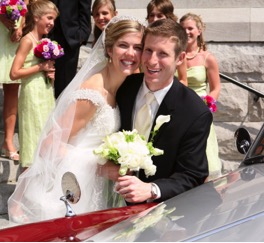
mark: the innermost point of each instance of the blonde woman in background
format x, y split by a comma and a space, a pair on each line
203, 75
36, 98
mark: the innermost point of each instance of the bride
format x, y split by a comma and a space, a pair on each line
84, 114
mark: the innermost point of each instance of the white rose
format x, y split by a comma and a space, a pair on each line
56, 51
157, 152
45, 48
151, 170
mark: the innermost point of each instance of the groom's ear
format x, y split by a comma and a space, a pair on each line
181, 58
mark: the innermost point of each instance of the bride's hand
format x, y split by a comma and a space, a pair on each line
109, 170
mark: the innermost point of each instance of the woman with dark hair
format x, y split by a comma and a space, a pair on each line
160, 9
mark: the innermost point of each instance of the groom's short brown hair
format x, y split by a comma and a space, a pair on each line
171, 29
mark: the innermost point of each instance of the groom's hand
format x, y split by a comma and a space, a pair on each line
133, 189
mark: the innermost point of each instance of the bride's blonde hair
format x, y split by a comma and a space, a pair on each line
114, 31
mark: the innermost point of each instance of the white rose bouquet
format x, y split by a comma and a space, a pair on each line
130, 150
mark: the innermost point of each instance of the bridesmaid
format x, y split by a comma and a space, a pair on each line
36, 99
11, 33
203, 73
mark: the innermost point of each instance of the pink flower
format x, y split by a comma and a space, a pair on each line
23, 12
13, 9
13, 2
3, 10
48, 50
210, 102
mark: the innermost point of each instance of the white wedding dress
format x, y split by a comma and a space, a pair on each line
38, 191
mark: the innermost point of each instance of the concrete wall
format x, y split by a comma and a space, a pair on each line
234, 20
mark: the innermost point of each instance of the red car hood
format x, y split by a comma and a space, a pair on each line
76, 228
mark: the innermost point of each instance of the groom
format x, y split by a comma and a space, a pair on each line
184, 164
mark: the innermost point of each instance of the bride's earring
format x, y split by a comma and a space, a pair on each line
110, 60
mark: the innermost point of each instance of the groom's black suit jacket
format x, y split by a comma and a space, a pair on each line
184, 163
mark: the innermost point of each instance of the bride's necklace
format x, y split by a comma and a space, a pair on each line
195, 54
33, 37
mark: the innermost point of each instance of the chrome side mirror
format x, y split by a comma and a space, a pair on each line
243, 140
71, 191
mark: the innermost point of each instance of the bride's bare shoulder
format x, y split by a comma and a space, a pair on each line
95, 82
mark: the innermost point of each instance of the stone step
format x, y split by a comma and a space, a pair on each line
6, 189
9, 172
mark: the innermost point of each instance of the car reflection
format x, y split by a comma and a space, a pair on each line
196, 213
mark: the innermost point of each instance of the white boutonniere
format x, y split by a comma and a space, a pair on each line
159, 122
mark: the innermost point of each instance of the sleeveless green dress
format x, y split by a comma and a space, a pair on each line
36, 100
7, 54
196, 76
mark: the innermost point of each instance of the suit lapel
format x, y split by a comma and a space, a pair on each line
129, 101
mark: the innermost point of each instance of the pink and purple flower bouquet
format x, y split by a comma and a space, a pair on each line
210, 102
13, 9
48, 50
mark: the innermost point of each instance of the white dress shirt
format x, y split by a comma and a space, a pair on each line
141, 100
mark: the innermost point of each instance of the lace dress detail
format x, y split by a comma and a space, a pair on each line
106, 119
88, 94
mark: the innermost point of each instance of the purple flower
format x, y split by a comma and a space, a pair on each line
15, 15
46, 55
48, 50
51, 46
13, 9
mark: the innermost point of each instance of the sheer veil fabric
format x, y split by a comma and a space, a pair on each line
38, 191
